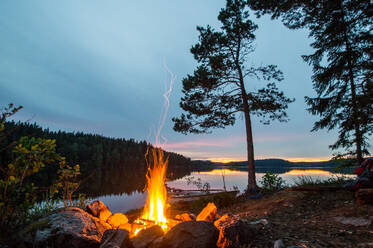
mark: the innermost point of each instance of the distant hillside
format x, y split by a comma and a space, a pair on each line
284, 163
263, 163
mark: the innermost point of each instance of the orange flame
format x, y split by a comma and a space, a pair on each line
157, 193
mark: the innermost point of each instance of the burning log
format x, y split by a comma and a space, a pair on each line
233, 232
208, 213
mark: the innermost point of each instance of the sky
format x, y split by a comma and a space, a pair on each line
100, 67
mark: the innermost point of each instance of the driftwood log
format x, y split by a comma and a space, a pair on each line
364, 196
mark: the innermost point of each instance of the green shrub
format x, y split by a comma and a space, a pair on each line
18, 194
271, 182
334, 180
67, 181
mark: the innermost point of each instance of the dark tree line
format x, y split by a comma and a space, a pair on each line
112, 165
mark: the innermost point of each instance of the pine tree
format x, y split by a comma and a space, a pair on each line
342, 64
216, 91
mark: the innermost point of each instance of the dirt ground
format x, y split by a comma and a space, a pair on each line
309, 219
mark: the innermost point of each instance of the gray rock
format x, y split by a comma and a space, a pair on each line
278, 244
354, 221
264, 222
185, 217
191, 234
233, 232
147, 236
70, 227
104, 214
115, 238
95, 207
117, 219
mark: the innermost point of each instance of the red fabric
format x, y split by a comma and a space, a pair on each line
356, 186
359, 170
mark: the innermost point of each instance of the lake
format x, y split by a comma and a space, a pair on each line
233, 178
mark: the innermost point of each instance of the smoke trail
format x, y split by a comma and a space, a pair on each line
159, 139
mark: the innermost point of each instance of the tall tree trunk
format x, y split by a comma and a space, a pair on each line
249, 141
251, 186
355, 116
250, 151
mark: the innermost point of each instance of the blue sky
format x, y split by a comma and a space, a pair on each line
98, 67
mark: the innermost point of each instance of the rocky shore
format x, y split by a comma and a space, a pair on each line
282, 219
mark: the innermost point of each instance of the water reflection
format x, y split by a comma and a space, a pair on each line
121, 199
121, 187
124, 202
238, 178
127, 179
307, 172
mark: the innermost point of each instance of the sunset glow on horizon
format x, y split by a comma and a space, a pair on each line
295, 160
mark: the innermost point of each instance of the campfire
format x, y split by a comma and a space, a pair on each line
154, 209
154, 229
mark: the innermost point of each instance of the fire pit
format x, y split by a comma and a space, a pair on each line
154, 229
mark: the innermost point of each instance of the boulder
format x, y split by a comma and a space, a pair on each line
278, 244
70, 227
208, 213
115, 238
147, 236
104, 214
157, 243
191, 234
185, 217
233, 232
95, 207
126, 226
117, 219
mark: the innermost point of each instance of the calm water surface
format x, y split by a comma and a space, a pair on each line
233, 178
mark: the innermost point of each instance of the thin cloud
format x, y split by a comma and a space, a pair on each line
220, 142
